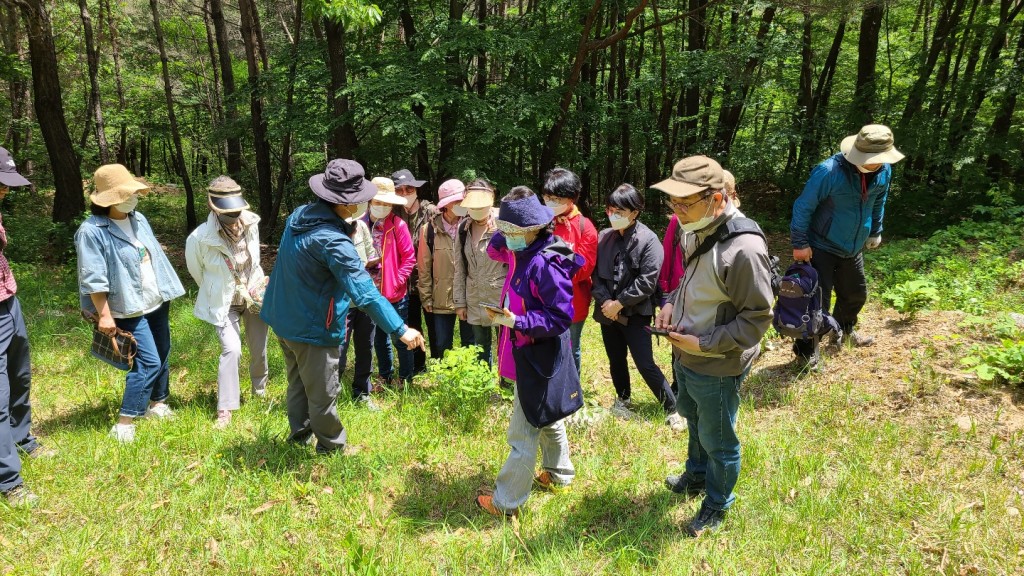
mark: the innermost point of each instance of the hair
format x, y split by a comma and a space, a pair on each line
518, 193
562, 183
625, 197
481, 183
98, 210
730, 187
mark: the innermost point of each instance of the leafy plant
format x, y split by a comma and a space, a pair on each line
998, 362
462, 386
911, 297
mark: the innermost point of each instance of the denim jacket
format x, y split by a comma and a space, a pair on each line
109, 262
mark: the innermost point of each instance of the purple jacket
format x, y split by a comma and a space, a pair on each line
538, 290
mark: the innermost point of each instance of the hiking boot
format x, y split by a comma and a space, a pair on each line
675, 422
364, 401
123, 433
21, 497
486, 503
623, 409
545, 481
685, 483
706, 520
810, 362
160, 411
856, 339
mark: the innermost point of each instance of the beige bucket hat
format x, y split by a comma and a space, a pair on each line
874, 144
386, 191
114, 184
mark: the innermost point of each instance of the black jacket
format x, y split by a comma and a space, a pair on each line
637, 290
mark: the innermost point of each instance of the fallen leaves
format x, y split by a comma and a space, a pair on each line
265, 506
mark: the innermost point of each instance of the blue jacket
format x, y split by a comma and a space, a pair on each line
834, 214
108, 262
317, 274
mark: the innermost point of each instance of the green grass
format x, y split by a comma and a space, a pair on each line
832, 482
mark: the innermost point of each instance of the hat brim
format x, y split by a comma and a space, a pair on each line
860, 158
510, 228
224, 204
118, 194
678, 189
413, 183
389, 198
450, 200
13, 180
365, 193
478, 199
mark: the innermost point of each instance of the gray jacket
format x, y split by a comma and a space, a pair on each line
637, 290
725, 299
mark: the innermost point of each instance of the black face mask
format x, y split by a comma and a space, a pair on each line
229, 218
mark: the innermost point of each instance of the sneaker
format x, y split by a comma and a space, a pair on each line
812, 362
856, 339
545, 481
623, 409
261, 393
364, 401
706, 520
223, 419
123, 433
685, 483
42, 453
160, 411
21, 497
486, 503
675, 422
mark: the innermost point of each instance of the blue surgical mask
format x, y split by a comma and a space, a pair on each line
516, 243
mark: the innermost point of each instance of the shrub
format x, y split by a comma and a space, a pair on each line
462, 386
911, 297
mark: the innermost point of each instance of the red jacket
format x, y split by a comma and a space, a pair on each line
672, 269
579, 233
397, 257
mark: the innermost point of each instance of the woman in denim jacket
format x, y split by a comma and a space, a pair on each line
124, 278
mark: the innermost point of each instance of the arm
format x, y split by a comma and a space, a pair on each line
193, 258
878, 211
406, 251
816, 190
92, 266
553, 285
425, 284
748, 283
646, 281
459, 289
600, 291
346, 267
106, 320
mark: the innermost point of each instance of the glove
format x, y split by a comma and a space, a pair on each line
509, 321
874, 242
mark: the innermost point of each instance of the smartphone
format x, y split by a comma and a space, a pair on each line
655, 332
493, 308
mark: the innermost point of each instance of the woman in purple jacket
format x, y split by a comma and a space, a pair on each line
536, 303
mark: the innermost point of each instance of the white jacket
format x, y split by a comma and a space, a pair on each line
205, 252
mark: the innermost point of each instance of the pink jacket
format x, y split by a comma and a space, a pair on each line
672, 269
397, 258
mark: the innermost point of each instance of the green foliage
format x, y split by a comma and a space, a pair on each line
1002, 362
353, 14
462, 386
911, 297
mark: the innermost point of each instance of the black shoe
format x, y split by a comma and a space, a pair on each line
685, 483
706, 520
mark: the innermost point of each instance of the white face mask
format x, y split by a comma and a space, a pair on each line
128, 205
379, 212
479, 214
359, 213
864, 170
557, 207
699, 224
618, 221
459, 211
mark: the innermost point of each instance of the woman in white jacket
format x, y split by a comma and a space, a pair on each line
223, 256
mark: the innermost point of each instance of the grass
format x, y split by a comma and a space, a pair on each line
851, 471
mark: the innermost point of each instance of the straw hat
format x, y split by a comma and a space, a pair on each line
114, 184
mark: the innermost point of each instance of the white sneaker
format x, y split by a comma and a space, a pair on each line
676, 422
223, 419
160, 411
123, 433
623, 409
261, 393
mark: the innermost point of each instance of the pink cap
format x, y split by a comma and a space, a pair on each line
450, 192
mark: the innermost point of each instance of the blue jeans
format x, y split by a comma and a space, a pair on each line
482, 337
382, 343
444, 328
148, 379
575, 334
15, 384
710, 405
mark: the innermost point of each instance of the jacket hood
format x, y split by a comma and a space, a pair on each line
314, 215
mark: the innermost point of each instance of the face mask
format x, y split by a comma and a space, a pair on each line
459, 211
557, 207
359, 213
128, 205
699, 224
618, 221
379, 212
866, 171
230, 218
479, 214
515, 243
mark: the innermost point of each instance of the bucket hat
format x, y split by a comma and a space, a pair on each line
386, 192
9, 171
450, 192
343, 182
874, 144
523, 215
114, 184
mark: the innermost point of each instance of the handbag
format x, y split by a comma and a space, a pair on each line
252, 296
118, 350
546, 380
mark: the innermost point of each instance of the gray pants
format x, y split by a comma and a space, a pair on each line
230, 335
312, 394
512, 487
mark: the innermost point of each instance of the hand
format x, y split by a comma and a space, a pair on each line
413, 339
462, 313
611, 309
874, 242
802, 254
663, 321
507, 318
106, 325
428, 308
685, 342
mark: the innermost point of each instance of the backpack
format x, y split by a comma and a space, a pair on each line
731, 229
797, 311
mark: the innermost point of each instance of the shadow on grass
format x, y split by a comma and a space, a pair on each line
770, 385
92, 416
269, 451
441, 499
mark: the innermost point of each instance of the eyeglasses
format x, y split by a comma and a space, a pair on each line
684, 205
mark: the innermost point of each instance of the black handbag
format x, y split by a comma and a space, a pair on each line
118, 350
547, 381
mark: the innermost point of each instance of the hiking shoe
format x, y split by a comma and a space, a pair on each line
223, 419
21, 497
623, 409
706, 520
42, 453
123, 433
545, 481
486, 503
260, 393
856, 339
675, 422
160, 411
364, 401
685, 483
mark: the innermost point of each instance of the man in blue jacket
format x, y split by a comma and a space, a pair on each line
839, 213
317, 275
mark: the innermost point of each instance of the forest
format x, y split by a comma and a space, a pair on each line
268, 90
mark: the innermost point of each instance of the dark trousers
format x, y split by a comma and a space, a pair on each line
382, 344
361, 330
15, 383
846, 277
444, 329
420, 319
483, 336
632, 337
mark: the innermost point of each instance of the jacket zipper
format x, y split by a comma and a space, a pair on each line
330, 313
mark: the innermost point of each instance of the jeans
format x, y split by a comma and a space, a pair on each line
148, 380
846, 276
230, 335
483, 336
382, 343
361, 330
634, 338
444, 328
576, 336
15, 384
313, 394
710, 405
416, 319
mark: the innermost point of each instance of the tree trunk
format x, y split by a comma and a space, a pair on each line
172, 120
801, 116
1006, 104
865, 93
450, 109
68, 200
696, 40
284, 172
423, 166
250, 39
18, 86
819, 101
115, 51
344, 141
218, 101
92, 55
951, 11
481, 56
227, 74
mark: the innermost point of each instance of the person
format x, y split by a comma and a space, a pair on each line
561, 192
223, 257
417, 211
15, 367
436, 256
317, 275
360, 328
391, 273
126, 280
716, 318
629, 258
730, 188
837, 215
478, 279
537, 310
